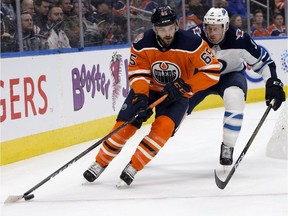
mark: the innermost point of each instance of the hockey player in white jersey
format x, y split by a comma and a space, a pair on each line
233, 48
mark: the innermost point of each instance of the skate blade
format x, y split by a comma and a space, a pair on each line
225, 168
121, 185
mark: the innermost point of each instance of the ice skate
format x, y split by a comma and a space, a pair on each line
226, 155
93, 172
127, 176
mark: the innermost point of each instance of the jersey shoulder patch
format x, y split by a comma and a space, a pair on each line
197, 30
236, 38
138, 38
239, 34
145, 40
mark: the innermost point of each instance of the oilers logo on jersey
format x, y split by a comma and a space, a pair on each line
164, 72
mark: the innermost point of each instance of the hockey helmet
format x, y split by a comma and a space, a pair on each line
163, 16
217, 16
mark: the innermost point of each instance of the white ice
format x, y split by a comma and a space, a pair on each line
179, 181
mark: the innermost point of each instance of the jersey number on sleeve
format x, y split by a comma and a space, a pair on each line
132, 59
207, 56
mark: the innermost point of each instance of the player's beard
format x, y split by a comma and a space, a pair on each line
166, 41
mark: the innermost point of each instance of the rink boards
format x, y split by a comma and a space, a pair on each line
49, 102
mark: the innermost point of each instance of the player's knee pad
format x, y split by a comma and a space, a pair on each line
162, 127
234, 102
125, 133
234, 99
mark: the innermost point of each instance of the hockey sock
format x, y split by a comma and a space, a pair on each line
234, 103
111, 147
151, 144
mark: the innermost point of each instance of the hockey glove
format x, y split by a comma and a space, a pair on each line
176, 90
274, 90
141, 103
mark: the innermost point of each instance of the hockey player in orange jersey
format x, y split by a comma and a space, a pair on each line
162, 61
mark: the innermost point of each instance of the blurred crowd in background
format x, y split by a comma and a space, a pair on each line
31, 25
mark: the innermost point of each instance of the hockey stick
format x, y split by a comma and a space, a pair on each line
222, 184
27, 195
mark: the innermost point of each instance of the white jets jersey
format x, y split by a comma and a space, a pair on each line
237, 48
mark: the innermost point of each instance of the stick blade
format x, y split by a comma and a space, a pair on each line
220, 184
13, 199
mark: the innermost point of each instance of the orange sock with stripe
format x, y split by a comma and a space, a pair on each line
111, 147
161, 131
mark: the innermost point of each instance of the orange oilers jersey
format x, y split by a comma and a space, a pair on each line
151, 66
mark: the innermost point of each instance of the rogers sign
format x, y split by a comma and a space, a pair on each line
22, 91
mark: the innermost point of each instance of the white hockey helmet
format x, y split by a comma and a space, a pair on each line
217, 16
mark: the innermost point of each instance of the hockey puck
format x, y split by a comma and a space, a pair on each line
29, 197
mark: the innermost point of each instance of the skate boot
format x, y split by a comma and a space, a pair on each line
226, 155
93, 172
127, 176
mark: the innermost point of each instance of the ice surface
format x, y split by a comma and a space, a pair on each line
179, 181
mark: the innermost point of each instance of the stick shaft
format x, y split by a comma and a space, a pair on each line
160, 100
222, 184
